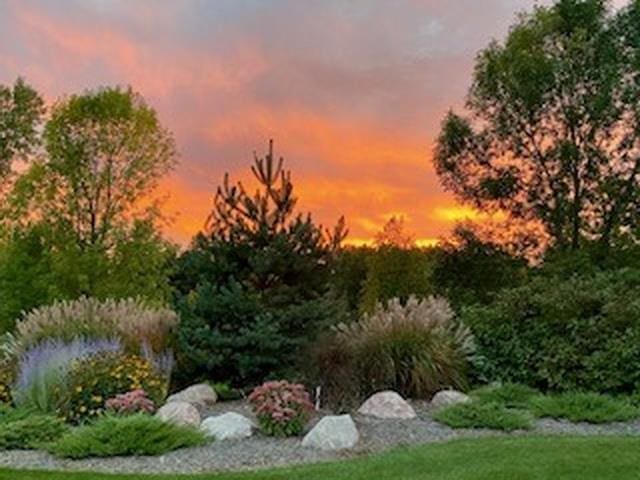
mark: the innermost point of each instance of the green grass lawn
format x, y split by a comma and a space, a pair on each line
522, 458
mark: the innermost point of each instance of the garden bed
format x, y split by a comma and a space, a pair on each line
259, 451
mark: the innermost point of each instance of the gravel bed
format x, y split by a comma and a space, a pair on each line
261, 452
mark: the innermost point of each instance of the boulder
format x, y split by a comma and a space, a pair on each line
332, 433
180, 413
200, 396
228, 426
387, 404
448, 397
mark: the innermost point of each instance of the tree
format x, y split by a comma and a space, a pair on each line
105, 151
553, 133
21, 110
255, 282
394, 234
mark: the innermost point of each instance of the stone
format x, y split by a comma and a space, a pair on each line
448, 397
387, 405
228, 426
180, 413
332, 433
200, 396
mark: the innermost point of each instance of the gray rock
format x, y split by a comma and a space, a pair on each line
445, 398
200, 396
387, 404
332, 433
180, 413
228, 426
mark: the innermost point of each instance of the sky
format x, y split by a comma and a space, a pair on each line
351, 91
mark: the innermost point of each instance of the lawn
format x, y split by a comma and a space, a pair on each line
522, 458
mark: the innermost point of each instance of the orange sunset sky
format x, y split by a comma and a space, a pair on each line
353, 92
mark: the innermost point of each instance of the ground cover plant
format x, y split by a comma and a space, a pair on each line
485, 415
610, 458
137, 434
585, 407
28, 430
509, 395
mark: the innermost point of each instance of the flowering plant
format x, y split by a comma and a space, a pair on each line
135, 401
282, 408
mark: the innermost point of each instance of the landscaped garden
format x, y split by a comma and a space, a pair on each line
268, 344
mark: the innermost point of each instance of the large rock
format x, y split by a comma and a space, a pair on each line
200, 396
445, 398
180, 413
228, 426
387, 405
332, 433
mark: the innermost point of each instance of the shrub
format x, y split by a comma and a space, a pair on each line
484, 415
137, 434
6, 380
30, 432
103, 376
509, 395
135, 401
42, 370
585, 407
415, 349
283, 409
575, 333
131, 321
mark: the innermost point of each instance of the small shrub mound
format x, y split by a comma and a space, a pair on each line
283, 409
484, 415
139, 434
21, 430
509, 395
415, 349
585, 407
135, 401
100, 377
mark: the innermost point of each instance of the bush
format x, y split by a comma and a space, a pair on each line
509, 395
6, 381
484, 415
100, 377
575, 333
131, 321
137, 434
135, 401
20, 430
585, 407
42, 370
283, 409
416, 349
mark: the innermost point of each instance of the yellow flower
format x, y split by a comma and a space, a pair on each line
83, 409
79, 388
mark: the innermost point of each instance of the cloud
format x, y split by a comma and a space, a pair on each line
352, 92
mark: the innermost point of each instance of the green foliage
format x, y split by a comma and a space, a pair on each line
21, 109
565, 78
575, 333
7, 375
508, 395
254, 287
29, 431
585, 407
226, 392
394, 272
484, 415
283, 409
92, 381
138, 434
467, 270
415, 349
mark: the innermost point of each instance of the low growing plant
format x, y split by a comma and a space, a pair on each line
135, 401
98, 378
484, 415
31, 431
415, 349
509, 395
585, 407
282, 408
138, 434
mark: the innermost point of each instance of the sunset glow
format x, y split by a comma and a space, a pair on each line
352, 92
